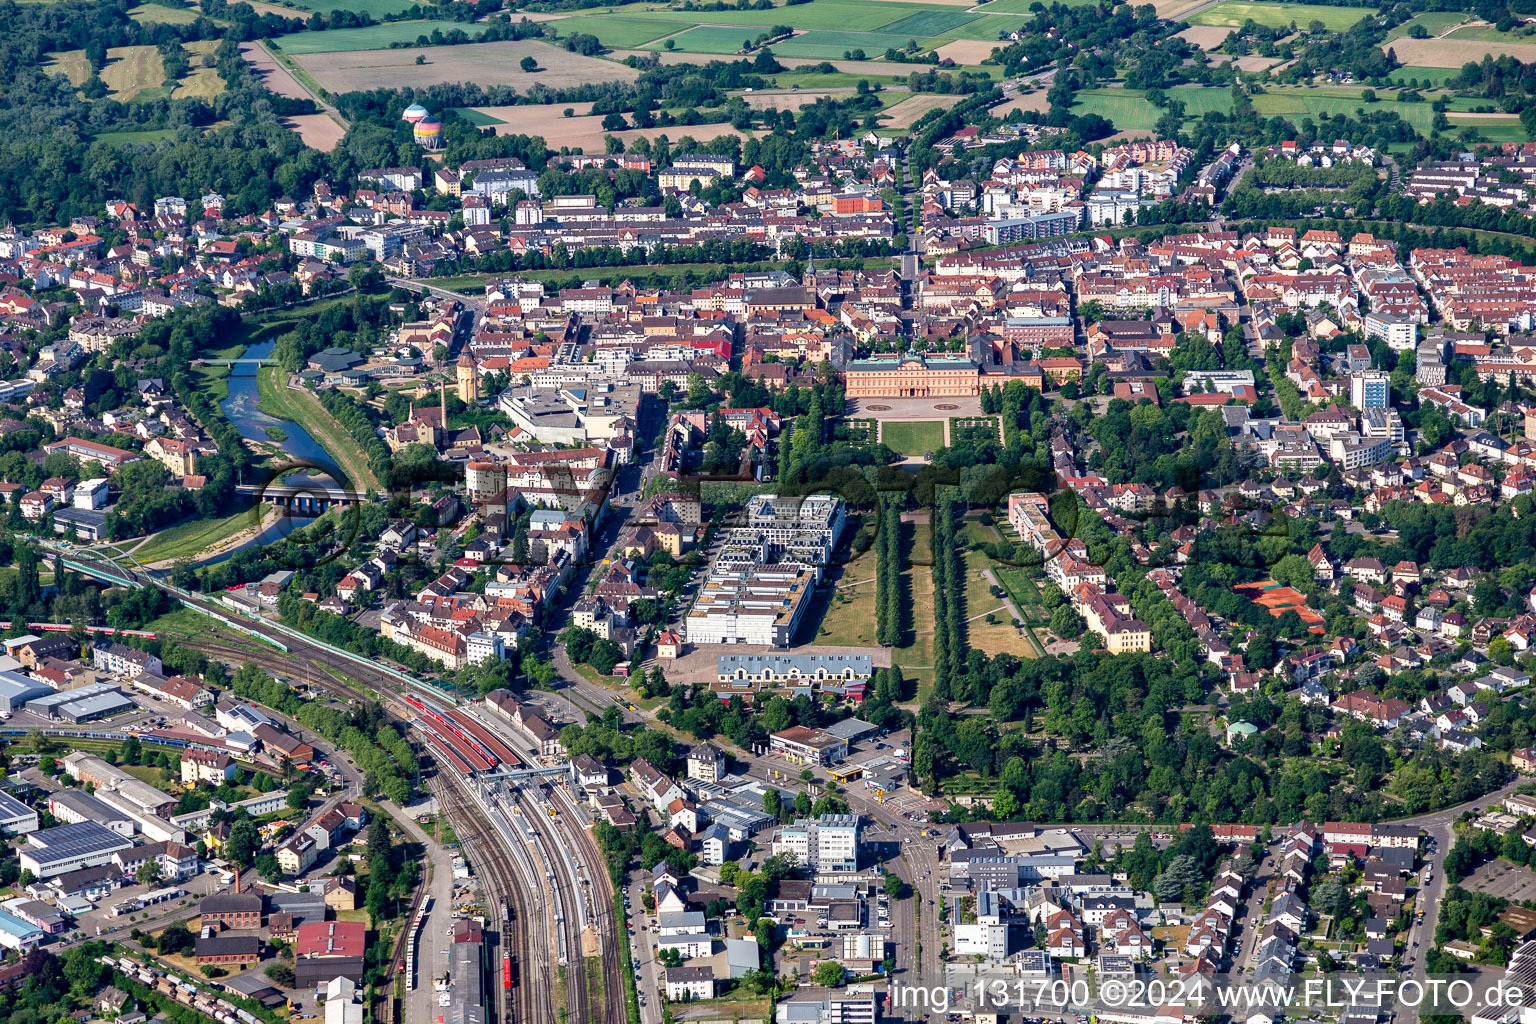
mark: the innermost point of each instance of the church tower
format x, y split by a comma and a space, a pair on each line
468, 378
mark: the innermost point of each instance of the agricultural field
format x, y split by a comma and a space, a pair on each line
616, 33
1207, 37
138, 72
1423, 75
902, 115
486, 63
930, 23
1448, 52
376, 8
1233, 13
1434, 22
476, 117
581, 131
1021, 6
850, 15
372, 37
914, 439
160, 14
710, 39
319, 131
1126, 109
825, 45
968, 51
1129, 109
1489, 34
200, 82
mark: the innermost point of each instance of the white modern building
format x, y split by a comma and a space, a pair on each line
827, 845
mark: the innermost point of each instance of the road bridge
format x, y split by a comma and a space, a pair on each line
301, 499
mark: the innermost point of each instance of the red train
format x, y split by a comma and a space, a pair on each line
506, 971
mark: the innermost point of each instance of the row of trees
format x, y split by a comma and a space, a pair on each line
888, 575
948, 596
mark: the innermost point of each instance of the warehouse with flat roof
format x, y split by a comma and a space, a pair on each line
84, 844
16, 689
16, 818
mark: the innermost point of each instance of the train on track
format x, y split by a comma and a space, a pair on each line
65, 627
508, 971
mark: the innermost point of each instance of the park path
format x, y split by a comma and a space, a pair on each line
1013, 610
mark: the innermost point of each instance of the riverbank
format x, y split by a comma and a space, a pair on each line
199, 539
303, 408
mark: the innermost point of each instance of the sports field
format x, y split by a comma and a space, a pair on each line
372, 37
913, 438
1233, 13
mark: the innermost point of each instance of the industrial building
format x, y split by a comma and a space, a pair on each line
466, 968
16, 933
72, 806
85, 844
16, 818
16, 690
92, 769
82, 704
328, 949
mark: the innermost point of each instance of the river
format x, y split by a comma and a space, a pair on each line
244, 412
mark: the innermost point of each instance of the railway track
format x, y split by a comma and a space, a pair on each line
528, 1000
534, 957
600, 903
568, 892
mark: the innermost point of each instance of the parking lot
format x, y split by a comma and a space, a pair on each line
1503, 879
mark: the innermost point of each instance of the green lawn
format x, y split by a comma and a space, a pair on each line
915, 438
915, 656
1233, 13
191, 538
1127, 109
850, 616
373, 37
148, 137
